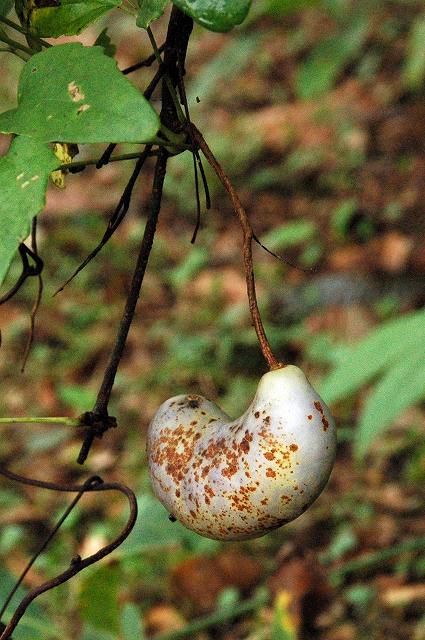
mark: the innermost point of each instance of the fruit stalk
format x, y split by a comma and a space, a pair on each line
248, 236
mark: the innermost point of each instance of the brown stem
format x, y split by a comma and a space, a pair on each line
101, 407
248, 237
77, 563
37, 301
175, 47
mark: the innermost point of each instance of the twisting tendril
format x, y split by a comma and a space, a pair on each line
77, 564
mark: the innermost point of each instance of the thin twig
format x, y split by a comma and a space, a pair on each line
16, 53
77, 564
37, 300
195, 154
16, 45
28, 270
33, 315
248, 236
17, 27
116, 218
91, 481
101, 406
281, 258
170, 78
79, 165
69, 422
197, 161
144, 63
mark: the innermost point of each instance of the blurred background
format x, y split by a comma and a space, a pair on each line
316, 111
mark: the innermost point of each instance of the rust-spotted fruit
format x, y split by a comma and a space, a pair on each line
237, 479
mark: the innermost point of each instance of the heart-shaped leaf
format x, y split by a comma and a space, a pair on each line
24, 172
215, 16
71, 93
69, 18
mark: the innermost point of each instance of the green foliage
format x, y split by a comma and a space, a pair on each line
91, 633
103, 40
401, 386
329, 57
76, 396
277, 8
101, 585
189, 267
47, 440
150, 10
131, 624
360, 596
396, 352
71, 17
228, 598
341, 217
216, 16
69, 104
289, 234
24, 173
414, 71
225, 66
158, 532
344, 541
35, 624
6, 7
283, 625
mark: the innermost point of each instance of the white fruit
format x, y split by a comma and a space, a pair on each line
233, 480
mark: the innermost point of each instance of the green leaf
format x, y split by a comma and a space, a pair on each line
329, 57
71, 17
35, 625
90, 633
131, 623
343, 541
149, 11
341, 217
277, 8
24, 172
103, 40
158, 531
401, 387
231, 61
215, 16
6, 7
289, 234
99, 598
414, 71
72, 93
76, 396
189, 267
373, 354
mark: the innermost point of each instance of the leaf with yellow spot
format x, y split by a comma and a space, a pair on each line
65, 152
76, 93
24, 173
